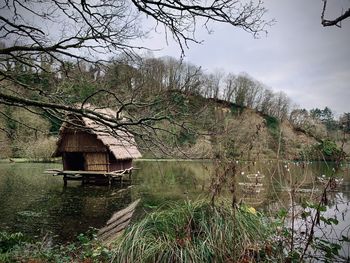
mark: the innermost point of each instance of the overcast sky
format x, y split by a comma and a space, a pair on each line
298, 56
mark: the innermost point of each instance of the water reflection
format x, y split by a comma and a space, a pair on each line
35, 203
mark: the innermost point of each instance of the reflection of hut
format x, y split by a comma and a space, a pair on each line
89, 146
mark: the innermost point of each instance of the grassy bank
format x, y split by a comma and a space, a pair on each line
177, 232
29, 160
186, 232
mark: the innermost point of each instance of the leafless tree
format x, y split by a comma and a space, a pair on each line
252, 90
280, 108
242, 85
229, 88
335, 21
180, 75
266, 101
344, 120
299, 118
216, 80
45, 37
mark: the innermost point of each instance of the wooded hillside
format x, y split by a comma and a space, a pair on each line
182, 112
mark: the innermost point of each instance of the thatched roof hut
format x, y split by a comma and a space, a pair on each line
89, 146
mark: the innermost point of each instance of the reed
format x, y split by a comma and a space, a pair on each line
195, 232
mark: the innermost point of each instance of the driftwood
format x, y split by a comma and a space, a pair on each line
117, 223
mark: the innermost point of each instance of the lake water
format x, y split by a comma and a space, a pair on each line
36, 203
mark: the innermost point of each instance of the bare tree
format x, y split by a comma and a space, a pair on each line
344, 120
229, 88
242, 85
299, 118
335, 21
46, 37
266, 101
252, 91
281, 106
258, 94
181, 76
216, 80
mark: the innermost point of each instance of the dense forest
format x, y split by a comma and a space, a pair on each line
185, 111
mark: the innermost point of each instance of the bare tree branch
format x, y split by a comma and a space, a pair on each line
333, 22
48, 42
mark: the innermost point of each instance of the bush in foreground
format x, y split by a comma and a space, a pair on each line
196, 232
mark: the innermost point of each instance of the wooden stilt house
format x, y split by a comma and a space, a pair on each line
88, 146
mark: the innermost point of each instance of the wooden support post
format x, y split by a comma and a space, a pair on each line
65, 180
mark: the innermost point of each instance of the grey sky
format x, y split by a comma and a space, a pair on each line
299, 56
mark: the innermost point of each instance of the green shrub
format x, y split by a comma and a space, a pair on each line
187, 137
273, 127
13, 248
272, 124
329, 148
326, 150
9, 241
236, 109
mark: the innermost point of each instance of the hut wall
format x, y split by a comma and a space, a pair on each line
96, 162
115, 165
120, 165
81, 142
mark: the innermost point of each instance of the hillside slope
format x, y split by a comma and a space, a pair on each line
216, 125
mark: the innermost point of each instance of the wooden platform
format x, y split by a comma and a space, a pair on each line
94, 177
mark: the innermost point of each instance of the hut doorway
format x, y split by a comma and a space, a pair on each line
74, 161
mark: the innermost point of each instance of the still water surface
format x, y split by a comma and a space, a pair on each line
36, 203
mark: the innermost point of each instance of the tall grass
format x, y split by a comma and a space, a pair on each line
194, 232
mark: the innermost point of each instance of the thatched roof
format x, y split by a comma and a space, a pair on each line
120, 143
